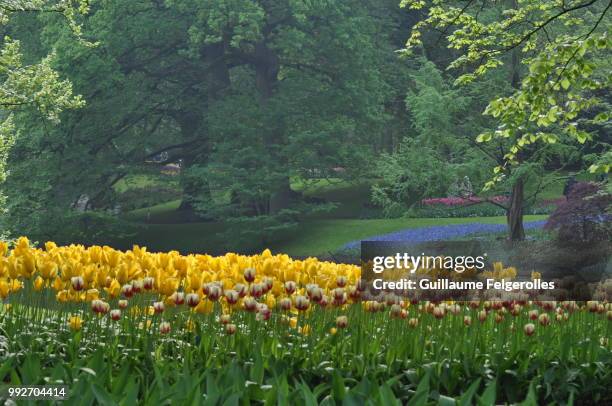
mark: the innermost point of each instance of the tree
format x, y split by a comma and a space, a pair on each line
584, 218
31, 86
565, 76
245, 95
139, 86
305, 96
434, 153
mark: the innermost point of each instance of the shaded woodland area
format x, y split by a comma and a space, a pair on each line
237, 108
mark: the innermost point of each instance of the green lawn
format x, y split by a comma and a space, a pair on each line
163, 227
165, 213
319, 237
312, 238
145, 180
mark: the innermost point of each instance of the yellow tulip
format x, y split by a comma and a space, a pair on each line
194, 281
58, 284
28, 265
48, 269
75, 323
204, 307
95, 254
3, 267
91, 294
114, 289
13, 266
22, 246
89, 274
15, 285
122, 274
50, 246
101, 274
168, 286
271, 301
181, 265
38, 283
5, 289
112, 257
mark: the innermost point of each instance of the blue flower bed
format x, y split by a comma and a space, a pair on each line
441, 233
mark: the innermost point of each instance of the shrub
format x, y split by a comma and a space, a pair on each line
447, 207
584, 217
407, 176
461, 201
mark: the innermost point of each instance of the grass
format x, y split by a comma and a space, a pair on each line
164, 213
311, 238
320, 237
164, 228
144, 180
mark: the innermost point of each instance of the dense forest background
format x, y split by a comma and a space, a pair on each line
245, 117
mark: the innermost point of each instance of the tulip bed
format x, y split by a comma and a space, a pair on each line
154, 328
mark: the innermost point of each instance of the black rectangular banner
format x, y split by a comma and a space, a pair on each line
487, 270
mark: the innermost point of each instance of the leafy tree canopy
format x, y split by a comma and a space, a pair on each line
566, 49
34, 86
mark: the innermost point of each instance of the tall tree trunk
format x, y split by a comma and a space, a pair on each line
193, 123
282, 198
515, 211
514, 215
266, 76
189, 124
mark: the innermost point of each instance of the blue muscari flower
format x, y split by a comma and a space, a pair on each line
441, 233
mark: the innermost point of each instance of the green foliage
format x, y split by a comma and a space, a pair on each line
545, 100
147, 196
408, 176
305, 99
565, 47
31, 86
239, 22
246, 95
476, 210
375, 360
438, 152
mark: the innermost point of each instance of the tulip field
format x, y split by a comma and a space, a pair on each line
163, 328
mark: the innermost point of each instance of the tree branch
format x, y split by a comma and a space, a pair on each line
546, 22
